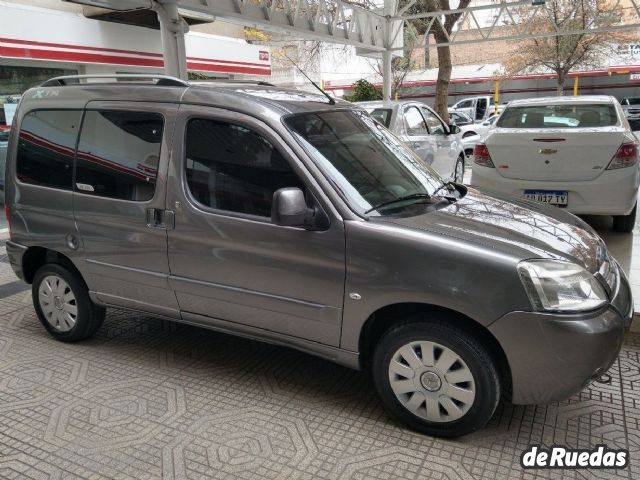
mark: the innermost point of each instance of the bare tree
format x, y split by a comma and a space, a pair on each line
441, 31
561, 54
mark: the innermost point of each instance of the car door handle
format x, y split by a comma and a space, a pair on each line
159, 218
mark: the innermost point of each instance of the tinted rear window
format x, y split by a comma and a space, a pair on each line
383, 115
46, 147
559, 116
632, 101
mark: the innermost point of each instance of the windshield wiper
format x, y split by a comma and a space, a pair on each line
399, 199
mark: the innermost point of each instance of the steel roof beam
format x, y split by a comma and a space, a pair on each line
325, 20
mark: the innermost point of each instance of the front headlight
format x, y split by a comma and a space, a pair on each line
559, 286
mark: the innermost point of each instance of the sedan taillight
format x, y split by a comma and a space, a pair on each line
626, 156
481, 155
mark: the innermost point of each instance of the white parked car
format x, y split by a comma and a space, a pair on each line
478, 108
634, 123
474, 133
418, 126
577, 153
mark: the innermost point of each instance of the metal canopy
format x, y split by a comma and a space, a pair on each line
374, 32
485, 23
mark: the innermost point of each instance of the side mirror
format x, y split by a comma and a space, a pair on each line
289, 208
453, 129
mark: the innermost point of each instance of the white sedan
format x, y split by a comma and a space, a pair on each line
577, 153
422, 130
475, 132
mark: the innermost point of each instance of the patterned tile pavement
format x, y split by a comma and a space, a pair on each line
151, 399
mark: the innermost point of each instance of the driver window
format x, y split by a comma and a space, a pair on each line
435, 125
232, 168
414, 122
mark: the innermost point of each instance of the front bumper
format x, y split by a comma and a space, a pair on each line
552, 356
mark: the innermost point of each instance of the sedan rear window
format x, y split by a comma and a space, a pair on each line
559, 116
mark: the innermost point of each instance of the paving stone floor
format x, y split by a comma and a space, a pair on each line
150, 399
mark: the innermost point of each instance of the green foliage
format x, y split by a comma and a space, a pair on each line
364, 91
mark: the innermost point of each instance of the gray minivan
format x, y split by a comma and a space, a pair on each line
295, 219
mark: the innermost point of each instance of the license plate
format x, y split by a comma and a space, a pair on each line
552, 197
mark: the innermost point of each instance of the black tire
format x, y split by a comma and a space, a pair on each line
486, 379
89, 316
460, 160
625, 223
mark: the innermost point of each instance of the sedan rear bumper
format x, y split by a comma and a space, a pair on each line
614, 192
553, 356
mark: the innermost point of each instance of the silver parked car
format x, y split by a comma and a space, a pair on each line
295, 219
425, 133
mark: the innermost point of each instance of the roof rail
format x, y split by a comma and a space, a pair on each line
227, 80
164, 80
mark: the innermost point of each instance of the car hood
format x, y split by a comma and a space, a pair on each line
510, 225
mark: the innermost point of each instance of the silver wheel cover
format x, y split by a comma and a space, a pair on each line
58, 303
432, 381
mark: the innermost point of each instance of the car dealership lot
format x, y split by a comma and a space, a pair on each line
148, 398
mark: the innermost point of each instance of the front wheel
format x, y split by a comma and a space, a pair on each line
625, 223
436, 378
62, 304
458, 173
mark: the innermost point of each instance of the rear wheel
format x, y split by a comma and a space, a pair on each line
436, 378
625, 223
62, 304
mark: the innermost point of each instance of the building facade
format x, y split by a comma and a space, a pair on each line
40, 39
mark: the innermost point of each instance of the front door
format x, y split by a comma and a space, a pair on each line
418, 137
230, 266
445, 155
119, 194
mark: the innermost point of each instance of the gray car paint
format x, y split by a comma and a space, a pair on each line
314, 291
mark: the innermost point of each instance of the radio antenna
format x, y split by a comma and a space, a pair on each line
329, 97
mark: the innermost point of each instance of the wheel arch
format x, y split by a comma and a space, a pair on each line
36, 257
389, 316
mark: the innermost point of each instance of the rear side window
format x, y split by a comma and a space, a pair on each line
46, 147
559, 116
383, 115
232, 168
118, 154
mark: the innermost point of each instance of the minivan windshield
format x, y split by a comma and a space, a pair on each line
559, 116
366, 162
